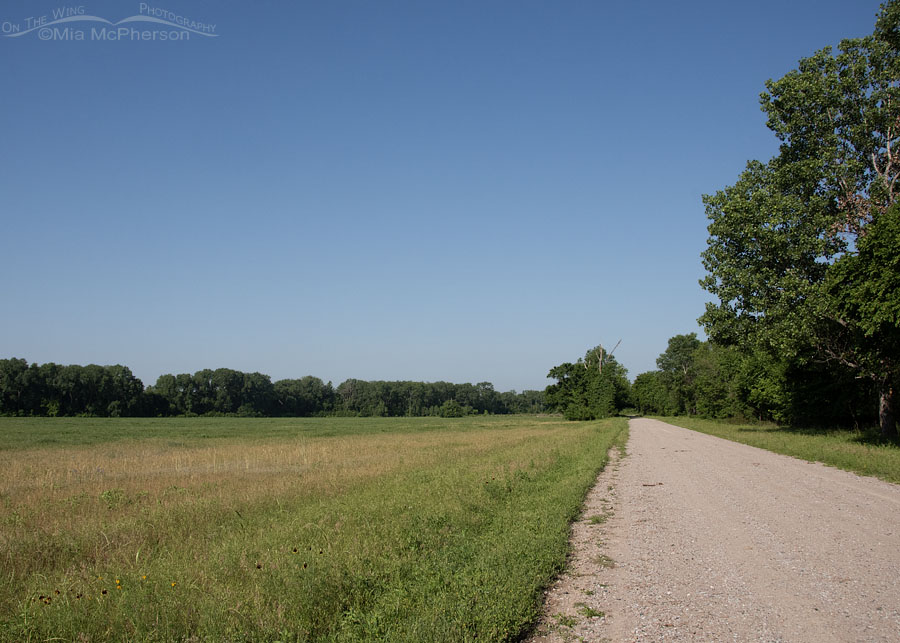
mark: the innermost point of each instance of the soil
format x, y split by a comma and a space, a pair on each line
689, 537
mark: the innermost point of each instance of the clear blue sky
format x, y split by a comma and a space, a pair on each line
461, 191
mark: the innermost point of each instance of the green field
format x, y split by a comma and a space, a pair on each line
861, 453
204, 529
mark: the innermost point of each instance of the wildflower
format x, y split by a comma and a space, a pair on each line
144, 577
173, 583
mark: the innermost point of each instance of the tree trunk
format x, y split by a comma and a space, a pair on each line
886, 409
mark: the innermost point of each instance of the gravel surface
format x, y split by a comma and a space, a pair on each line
710, 540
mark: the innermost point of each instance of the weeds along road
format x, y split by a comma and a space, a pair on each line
718, 541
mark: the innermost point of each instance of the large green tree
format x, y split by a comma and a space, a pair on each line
783, 256
593, 387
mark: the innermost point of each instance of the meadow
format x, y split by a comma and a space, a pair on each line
861, 452
318, 529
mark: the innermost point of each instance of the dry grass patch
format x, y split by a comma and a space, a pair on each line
401, 530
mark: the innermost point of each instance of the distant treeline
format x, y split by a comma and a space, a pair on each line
113, 391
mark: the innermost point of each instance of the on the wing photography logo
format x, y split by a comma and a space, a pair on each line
72, 23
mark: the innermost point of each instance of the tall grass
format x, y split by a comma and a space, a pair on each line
849, 450
291, 530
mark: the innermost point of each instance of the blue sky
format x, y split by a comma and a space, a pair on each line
461, 191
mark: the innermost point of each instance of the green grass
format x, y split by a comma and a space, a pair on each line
29, 432
294, 530
853, 451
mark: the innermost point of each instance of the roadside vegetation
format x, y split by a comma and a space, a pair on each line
865, 453
293, 530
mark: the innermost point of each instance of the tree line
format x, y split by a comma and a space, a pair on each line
113, 391
710, 380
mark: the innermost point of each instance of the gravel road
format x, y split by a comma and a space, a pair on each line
693, 538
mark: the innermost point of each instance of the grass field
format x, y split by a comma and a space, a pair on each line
850, 450
203, 529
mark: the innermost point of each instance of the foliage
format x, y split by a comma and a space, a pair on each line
677, 367
865, 290
453, 409
650, 395
303, 397
694, 378
715, 381
788, 257
718, 382
112, 391
410, 399
593, 387
392, 529
221, 391
51, 389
